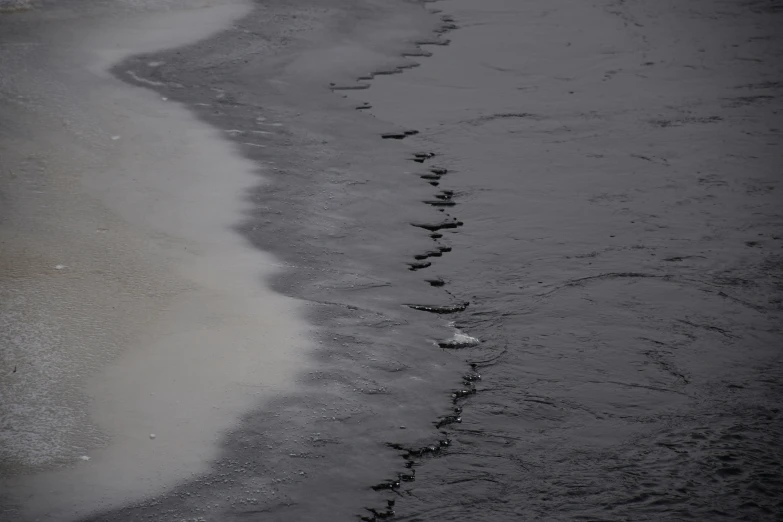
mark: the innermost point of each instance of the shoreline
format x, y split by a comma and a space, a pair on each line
293, 122
590, 222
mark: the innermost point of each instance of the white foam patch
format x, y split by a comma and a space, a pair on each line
136, 348
459, 340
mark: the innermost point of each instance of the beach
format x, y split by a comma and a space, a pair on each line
405, 260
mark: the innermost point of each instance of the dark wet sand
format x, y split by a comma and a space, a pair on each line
613, 242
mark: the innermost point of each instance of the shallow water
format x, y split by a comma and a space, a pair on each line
621, 254
613, 243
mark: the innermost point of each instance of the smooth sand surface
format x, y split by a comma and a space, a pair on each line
128, 305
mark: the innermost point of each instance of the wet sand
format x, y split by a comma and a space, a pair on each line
136, 325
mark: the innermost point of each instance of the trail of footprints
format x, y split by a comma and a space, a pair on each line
443, 200
414, 456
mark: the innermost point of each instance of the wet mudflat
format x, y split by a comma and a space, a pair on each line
545, 264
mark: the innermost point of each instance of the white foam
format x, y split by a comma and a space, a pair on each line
459, 340
161, 324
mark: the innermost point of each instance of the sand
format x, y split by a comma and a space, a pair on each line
129, 307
